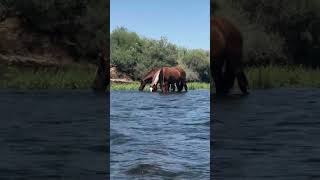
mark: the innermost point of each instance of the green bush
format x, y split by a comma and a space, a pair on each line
198, 61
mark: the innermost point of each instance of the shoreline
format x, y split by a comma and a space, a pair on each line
82, 77
135, 86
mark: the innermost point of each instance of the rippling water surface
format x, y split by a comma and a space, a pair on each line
270, 134
155, 136
53, 135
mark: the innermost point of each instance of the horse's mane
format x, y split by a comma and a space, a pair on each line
153, 69
155, 78
149, 72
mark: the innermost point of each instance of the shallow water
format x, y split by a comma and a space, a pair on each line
53, 135
270, 134
155, 136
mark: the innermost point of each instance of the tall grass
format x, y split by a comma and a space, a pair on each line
129, 86
283, 76
135, 86
73, 77
81, 77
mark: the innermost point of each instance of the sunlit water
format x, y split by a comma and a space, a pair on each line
53, 135
155, 136
270, 134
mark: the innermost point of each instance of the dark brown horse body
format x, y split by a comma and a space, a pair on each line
227, 45
172, 75
147, 79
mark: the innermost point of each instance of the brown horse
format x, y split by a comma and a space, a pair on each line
172, 75
227, 44
183, 81
148, 77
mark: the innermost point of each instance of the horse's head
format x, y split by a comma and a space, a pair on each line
155, 81
153, 88
147, 78
142, 85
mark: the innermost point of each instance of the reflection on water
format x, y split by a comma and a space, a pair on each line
270, 134
156, 136
53, 135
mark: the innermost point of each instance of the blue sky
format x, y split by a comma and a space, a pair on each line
183, 22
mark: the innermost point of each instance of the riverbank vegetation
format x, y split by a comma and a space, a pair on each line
81, 77
281, 40
281, 47
135, 86
136, 55
278, 32
71, 77
51, 44
77, 26
270, 76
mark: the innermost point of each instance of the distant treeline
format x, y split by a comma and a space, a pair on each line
137, 55
78, 25
277, 31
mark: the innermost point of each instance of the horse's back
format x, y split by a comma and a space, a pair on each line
149, 75
171, 73
228, 29
228, 34
182, 72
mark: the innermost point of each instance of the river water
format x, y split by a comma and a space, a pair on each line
155, 136
53, 135
270, 134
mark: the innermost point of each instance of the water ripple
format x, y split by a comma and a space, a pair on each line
271, 134
156, 136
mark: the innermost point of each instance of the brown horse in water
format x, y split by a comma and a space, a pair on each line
227, 44
148, 78
171, 75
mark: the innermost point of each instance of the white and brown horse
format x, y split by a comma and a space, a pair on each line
167, 76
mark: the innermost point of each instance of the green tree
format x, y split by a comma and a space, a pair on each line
198, 61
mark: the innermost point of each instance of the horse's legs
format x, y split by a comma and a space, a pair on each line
185, 86
229, 82
179, 86
173, 87
165, 87
242, 82
218, 75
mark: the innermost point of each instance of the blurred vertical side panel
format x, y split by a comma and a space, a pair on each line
54, 89
212, 102
272, 132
